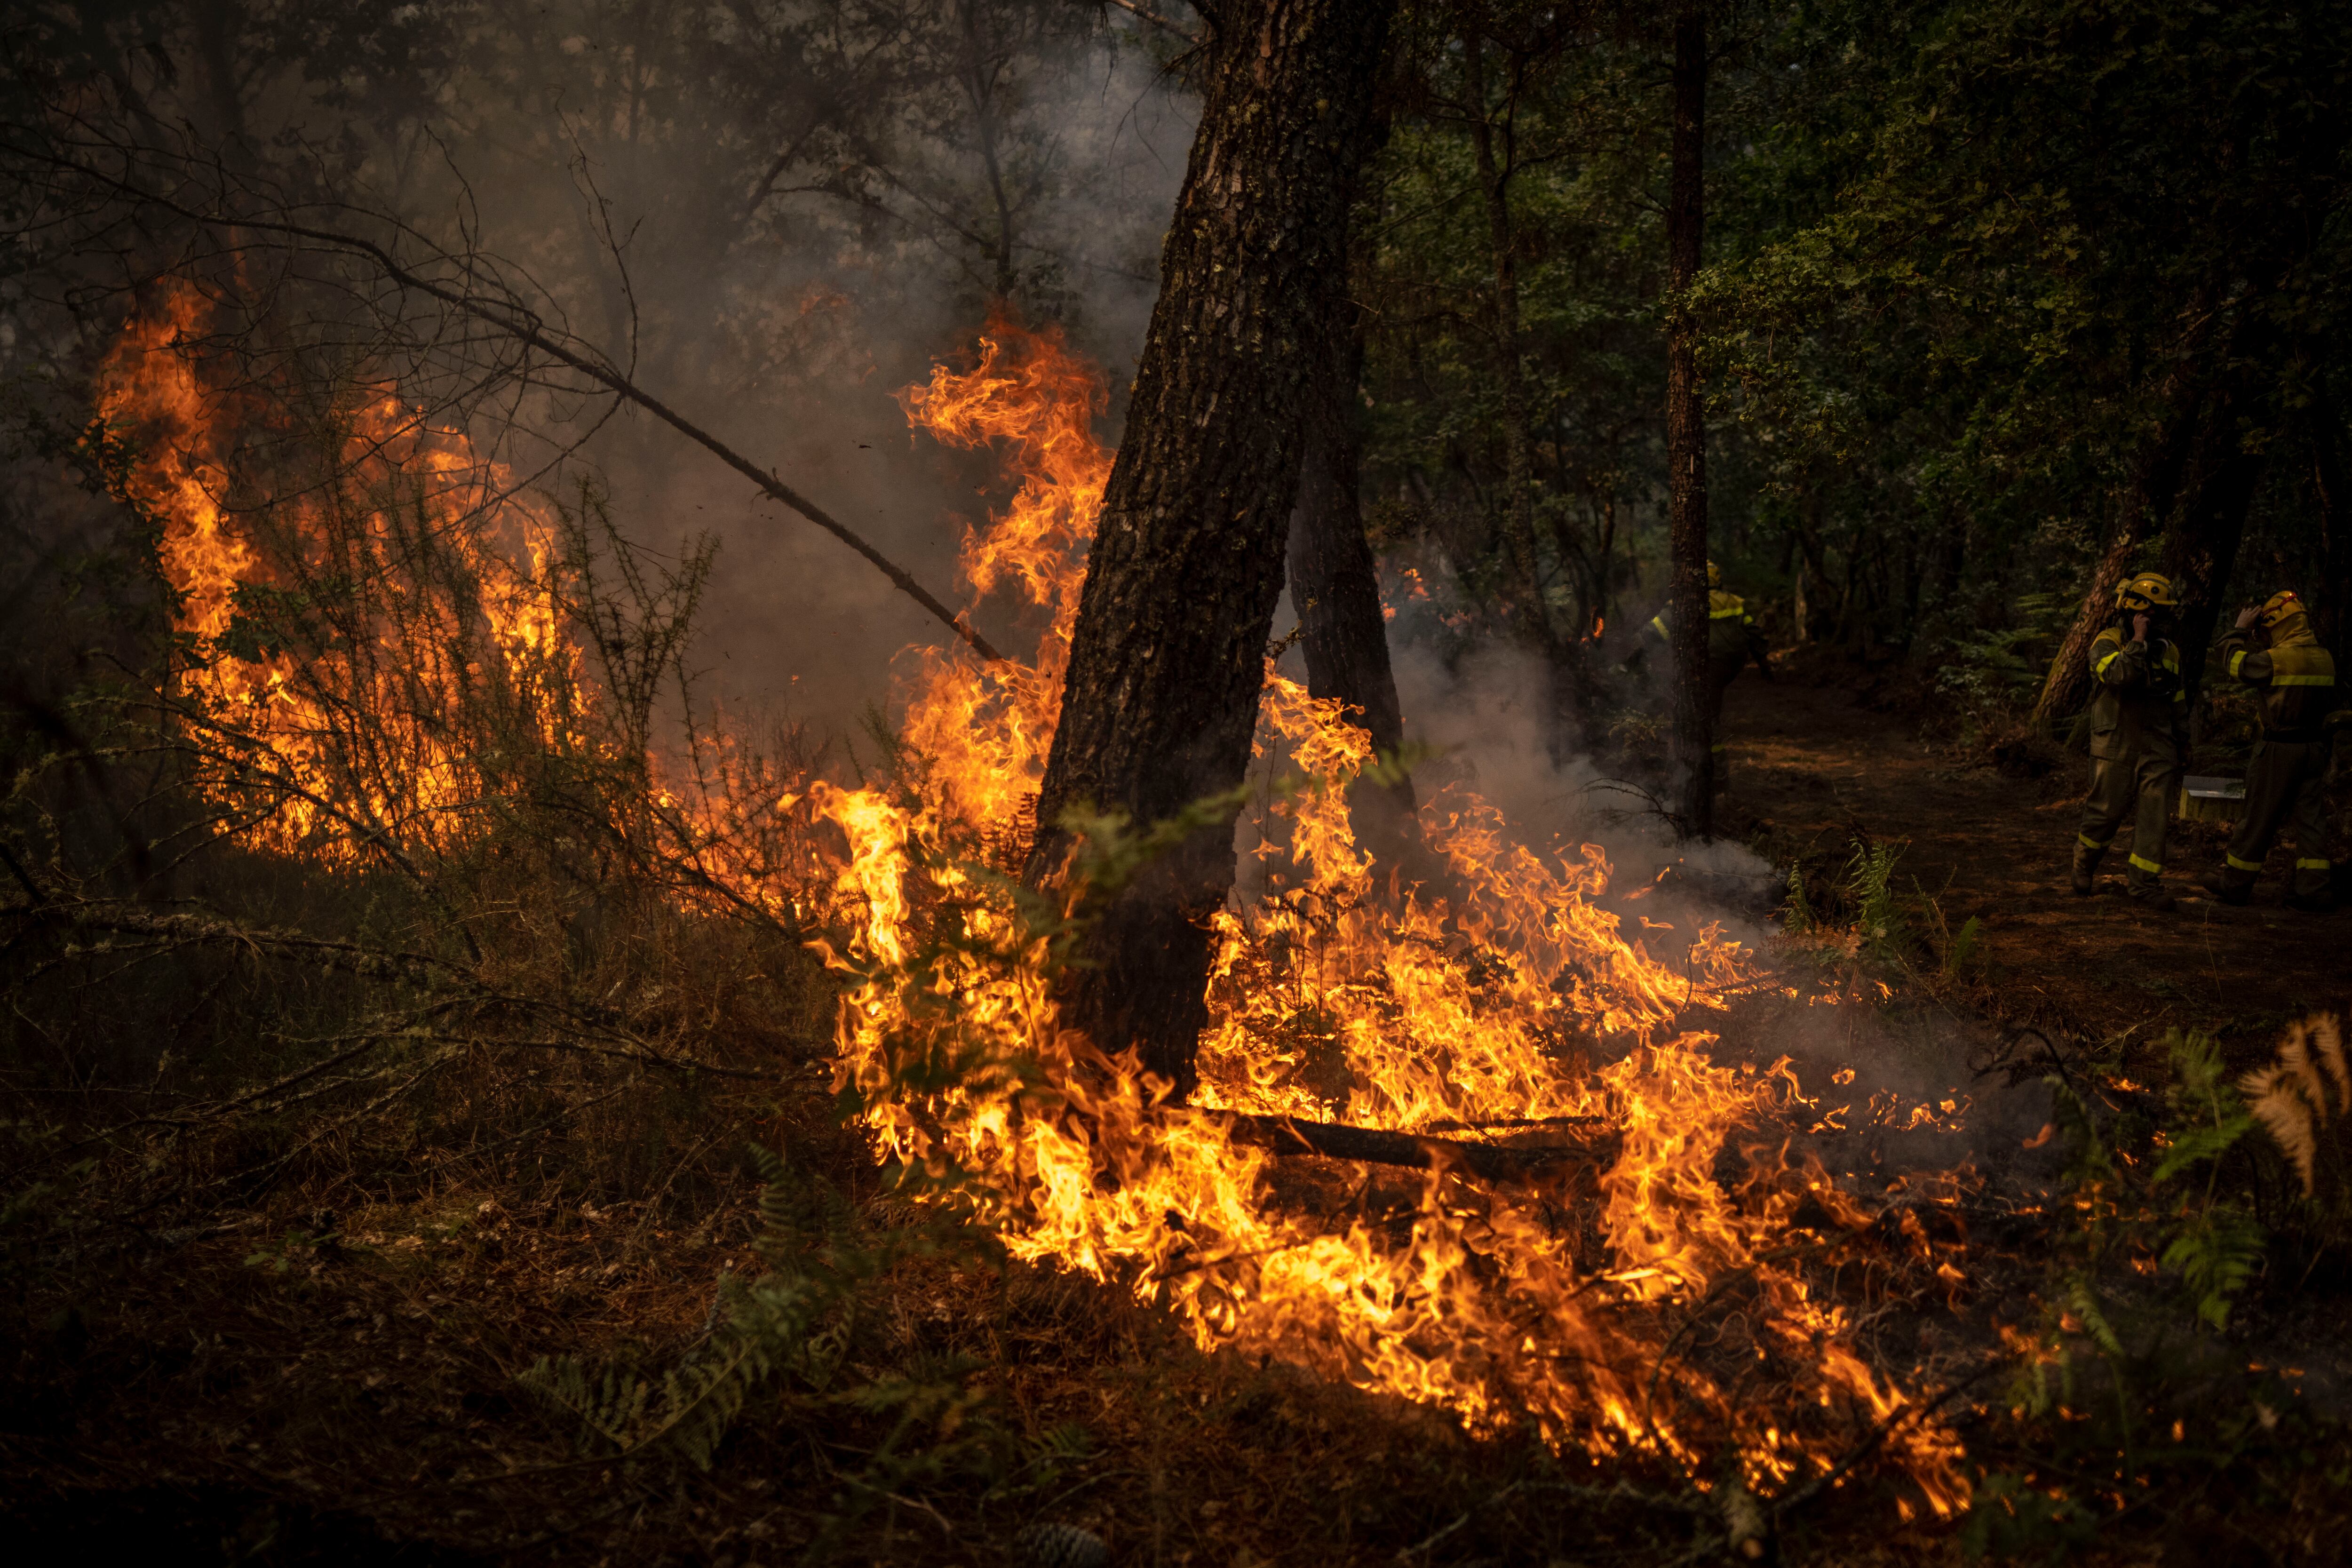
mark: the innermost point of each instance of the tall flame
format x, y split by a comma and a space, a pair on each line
1478, 1008
1506, 1003
443, 612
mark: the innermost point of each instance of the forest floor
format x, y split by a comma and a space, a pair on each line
1817, 767
332, 1369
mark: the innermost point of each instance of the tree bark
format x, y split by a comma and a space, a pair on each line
1589, 1149
1167, 655
1564, 660
1687, 429
1335, 584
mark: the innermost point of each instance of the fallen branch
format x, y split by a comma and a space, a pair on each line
1289, 1135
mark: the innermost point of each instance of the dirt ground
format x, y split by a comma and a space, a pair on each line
1816, 767
328, 1373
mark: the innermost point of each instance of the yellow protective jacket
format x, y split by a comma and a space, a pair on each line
1732, 635
2136, 695
2296, 676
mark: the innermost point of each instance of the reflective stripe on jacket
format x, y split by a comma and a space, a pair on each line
1731, 631
2136, 694
2297, 680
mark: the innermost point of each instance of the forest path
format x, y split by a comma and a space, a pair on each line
1819, 769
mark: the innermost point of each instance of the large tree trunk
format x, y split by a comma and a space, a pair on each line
1687, 428
1336, 586
1168, 651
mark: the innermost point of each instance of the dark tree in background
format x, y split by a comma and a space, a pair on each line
1334, 578
1168, 651
1686, 428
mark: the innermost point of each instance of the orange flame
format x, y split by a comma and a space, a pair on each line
1465, 1010
1511, 999
394, 479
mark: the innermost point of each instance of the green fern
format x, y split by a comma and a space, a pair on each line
1869, 891
2217, 1249
2083, 1302
792, 1319
1800, 917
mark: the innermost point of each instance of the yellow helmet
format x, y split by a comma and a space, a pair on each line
1713, 575
2148, 591
2278, 607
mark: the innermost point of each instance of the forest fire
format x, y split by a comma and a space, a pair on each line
1506, 1012
380, 546
1509, 1004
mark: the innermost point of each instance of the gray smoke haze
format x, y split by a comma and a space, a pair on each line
785, 328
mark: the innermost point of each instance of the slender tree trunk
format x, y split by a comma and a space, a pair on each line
1510, 370
1687, 429
1167, 655
1335, 584
1562, 659
2331, 615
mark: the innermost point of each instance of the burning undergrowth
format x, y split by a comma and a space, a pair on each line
1652, 1181
1480, 1148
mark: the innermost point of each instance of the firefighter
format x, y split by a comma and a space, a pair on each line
1732, 639
2137, 719
2273, 651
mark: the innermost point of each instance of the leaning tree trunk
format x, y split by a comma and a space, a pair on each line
1336, 586
2155, 485
1167, 655
1687, 428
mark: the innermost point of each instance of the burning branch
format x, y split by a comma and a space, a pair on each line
1594, 1150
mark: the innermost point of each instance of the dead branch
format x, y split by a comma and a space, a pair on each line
1290, 1135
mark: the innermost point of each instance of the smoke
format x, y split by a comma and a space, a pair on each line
1870, 1060
787, 331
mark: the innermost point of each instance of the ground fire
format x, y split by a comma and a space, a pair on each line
1509, 1013
1175, 785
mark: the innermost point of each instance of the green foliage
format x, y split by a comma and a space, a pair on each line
2110, 1361
1862, 904
1961, 954
1796, 915
790, 1326
1993, 673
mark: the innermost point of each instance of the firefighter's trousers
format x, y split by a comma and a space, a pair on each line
2283, 789
2140, 786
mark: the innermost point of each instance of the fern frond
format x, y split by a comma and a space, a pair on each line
2217, 1251
2195, 1060
2296, 1058
2201, 1143
2276, 1094
2327, 1042
2086, 1154
2083, 1302
610, 1409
